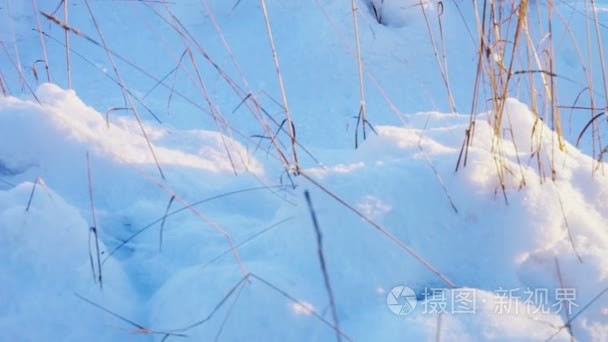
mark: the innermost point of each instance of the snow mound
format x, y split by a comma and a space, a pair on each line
544, 235
522, 215
123, 139
45, 264
32, 133
51, 139
253, 309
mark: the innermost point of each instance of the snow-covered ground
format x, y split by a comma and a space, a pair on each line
223, 245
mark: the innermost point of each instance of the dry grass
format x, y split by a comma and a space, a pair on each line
323, 263
512, 58
295, 167
42, 42
512, 55
96, 268
38, 181
68, 56
361, 117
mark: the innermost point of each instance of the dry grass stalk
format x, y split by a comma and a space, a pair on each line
361, 117
301, 304
382, 230
139, 329
38, 181
19, 70
93, 230
162, 225
126, 95
330, 293
42, 42
295, 168
442, 62
253, 104
67, 43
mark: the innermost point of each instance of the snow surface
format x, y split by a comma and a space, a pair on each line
223, 188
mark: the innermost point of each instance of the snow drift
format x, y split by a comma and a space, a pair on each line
550, 235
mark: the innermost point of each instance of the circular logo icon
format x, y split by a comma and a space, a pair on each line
401, 300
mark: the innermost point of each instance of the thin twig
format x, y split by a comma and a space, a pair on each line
330, 293
439, 321
382, 230
361, 117
140, 328
575, 316
67, 44
19, 71
249, 239
295, 301
162, 225
275, 56
93, 229
100, 69
228, 314
38, 181
561, 205
56, 20
562, 285
29, 201
188, 207
580, 135
42, 43
214, 310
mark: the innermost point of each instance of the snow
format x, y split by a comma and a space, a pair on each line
484, 325
45, 264
395, 13
75, 121
239, 254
